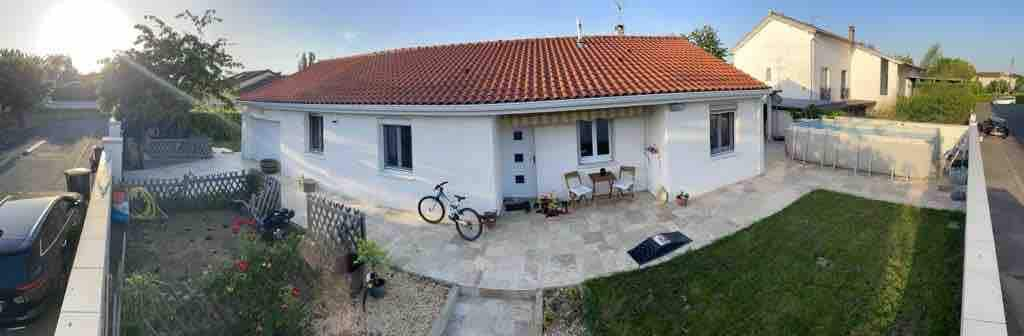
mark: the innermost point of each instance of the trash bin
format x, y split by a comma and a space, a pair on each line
78, 181
94, 160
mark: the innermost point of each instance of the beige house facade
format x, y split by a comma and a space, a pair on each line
815, 66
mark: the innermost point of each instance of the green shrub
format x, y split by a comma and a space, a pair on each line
223, 131
939, 103
1020, 99
983, 98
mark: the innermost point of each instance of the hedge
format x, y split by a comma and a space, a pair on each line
939, 103
220, 128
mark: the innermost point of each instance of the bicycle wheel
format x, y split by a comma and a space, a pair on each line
431, 209
469, 225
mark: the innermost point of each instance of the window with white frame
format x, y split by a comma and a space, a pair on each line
723, 128
316, 133
396, 140
595, 140
768, 74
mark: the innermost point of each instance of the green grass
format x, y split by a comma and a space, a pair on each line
892, 269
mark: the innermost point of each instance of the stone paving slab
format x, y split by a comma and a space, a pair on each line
477, 315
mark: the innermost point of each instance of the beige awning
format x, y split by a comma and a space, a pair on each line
568, 117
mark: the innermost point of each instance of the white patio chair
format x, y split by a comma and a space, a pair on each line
577, 190
625, 181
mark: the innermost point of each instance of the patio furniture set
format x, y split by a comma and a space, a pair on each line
579, 192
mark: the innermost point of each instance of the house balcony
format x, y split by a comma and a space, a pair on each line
844, 93
825, 94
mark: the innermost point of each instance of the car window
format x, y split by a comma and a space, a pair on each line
53, 226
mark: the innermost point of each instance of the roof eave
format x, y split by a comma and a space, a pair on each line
514, 108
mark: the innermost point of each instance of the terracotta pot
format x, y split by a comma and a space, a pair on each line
681, 201
350, 263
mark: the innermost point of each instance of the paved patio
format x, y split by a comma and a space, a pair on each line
529, 251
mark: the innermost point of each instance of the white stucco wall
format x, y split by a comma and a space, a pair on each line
690, 164
656, 135
460, 150
784, 48
866, 83
557, 154
834, 54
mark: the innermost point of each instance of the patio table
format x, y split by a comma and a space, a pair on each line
608, 178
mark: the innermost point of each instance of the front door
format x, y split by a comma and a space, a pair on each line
520, 163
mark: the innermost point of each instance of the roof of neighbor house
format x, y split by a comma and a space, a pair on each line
773, 15
995, 74
241, 77
526, 70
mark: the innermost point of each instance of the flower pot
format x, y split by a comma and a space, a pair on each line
681, 201
350, 262
308, 185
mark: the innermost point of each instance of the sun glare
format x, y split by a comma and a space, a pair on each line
87, 30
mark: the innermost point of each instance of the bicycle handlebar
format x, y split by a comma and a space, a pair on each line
440, 186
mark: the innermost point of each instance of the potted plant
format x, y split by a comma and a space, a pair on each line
682, 198
376, 259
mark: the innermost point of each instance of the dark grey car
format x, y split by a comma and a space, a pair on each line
35, 253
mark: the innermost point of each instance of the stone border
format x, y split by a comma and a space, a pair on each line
441, 322
84, 311
537, 323
981, 310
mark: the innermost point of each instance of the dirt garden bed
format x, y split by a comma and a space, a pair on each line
190, 274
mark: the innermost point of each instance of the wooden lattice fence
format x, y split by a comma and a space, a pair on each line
334, 226
198, 192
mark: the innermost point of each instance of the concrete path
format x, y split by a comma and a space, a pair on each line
499, 316
1004, 175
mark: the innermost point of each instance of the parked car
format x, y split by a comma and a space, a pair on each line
995, 126
35, 254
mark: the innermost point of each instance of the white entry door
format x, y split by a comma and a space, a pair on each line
520, 163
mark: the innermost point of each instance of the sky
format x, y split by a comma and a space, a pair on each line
270, 34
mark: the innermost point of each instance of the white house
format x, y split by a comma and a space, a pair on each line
506, 119
811, 65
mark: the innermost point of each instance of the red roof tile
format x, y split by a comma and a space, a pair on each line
511, 71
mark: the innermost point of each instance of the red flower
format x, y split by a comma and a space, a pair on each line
295, 292
243, 265
235, 228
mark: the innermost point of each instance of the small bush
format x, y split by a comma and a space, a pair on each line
1020, 99
938, 103
983, 98
221, 129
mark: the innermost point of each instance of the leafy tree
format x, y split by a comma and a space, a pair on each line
998, 86
1019, 85
706, 37
906, 59
931, 56
307, 59
947, 67
60, 69
153, 86
22, 83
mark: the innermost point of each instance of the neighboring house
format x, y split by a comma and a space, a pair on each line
985, 78
250, 80
506, 119
813, 66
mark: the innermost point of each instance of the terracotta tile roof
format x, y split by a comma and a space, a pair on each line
511, 71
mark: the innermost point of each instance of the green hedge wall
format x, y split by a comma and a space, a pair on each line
938, 103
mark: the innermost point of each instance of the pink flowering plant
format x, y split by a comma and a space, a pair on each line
263, 286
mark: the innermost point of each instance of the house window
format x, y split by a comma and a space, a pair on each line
844, 89
517, 135
316, 133
595, 140
826, 84
520, 179
518, 157
723, 119
768, 74
884, 78
397, 140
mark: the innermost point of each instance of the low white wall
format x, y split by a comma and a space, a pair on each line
84, 311
557, 154
981, 311
689, 165
460, 150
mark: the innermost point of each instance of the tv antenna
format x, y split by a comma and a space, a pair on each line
618, 7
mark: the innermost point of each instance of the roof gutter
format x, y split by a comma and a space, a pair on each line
514, 108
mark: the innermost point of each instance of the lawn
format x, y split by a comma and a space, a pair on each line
829, 264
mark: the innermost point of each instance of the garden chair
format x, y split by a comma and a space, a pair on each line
626, 181
265, 200
577, 190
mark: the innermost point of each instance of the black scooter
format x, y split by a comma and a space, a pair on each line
276, 225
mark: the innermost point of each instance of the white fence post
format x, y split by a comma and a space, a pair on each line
113, 145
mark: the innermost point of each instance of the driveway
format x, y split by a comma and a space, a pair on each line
1004, 174
42, 173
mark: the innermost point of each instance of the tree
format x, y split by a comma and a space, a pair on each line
1019, 85
307, 59
998, 86
22, 83
947, 67
905, 59
931, 56
60, 69
706, 37
153, 86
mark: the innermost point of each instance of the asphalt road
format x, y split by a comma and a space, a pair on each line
42, 173
1004, 174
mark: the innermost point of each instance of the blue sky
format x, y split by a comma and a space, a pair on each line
271, 33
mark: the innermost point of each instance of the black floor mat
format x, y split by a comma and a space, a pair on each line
657, 246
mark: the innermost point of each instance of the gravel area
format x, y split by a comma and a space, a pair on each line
563, 312
408, 308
